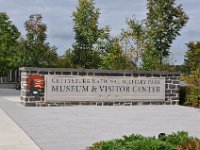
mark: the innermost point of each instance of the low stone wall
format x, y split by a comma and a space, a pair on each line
171, 85
8, 85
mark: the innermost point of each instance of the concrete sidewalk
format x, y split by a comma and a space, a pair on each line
76, 128
12, 137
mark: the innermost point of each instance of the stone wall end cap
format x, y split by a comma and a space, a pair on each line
97, 70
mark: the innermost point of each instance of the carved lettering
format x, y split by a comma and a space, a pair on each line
99, 87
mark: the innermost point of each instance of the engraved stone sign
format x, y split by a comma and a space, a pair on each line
104, 88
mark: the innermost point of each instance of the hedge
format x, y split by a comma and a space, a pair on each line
175, 141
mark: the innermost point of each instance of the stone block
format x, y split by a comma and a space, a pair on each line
156, 75
135, 74
168, 91
34, 72
173, 95
58, 73
90, 74
148, 75
168, 81
128, 74
25, 73
173, 78
176, 75
175, 98
66, 73
175, 102
170, 75
176, 82
164, 75
175, 91
75, 73
171, 86
82, 73
43, 72
143, 75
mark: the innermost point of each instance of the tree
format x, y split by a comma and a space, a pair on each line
132, 40
65, 61
193, 87
87, 35
115, 58
164, 22
192, 57
191, 70
8, 41
162, 25
35, 52
50, 55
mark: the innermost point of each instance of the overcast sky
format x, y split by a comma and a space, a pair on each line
57, 15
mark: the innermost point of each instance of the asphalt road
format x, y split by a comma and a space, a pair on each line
75, 128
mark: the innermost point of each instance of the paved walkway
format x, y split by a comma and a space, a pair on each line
12, 137
75, 128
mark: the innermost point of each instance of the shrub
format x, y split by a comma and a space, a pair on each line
193, 89
176, 138
193, 97
179, 141
193, 144
97, 146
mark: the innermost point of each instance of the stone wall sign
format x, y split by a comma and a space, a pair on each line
61, 88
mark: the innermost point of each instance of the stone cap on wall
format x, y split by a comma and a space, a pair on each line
117, 72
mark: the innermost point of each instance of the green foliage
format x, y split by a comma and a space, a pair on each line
87, 35
8, 41
137, 142
164, 21
34, 51
133, 39
191, 70
50, 55
114, 57
193, 88
193, 79
176, 138
153, 37
193, 97
192, 56
65, 61
97, 146
150, 60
